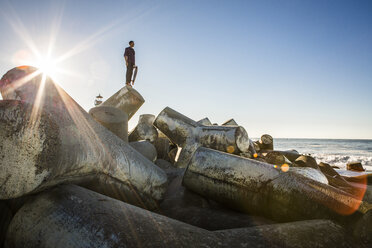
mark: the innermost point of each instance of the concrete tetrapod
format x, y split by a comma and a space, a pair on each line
127, 99
355, 166
266, 142
145, 148
258, 188
190, 135
163, 147
311, 173
363, 229
333, 177
205, 122
311, 233
184, 205
364, 177
64, 217
144, 129
48, 139
306, 161
275, 158
71, 216
5, 218
292, 155
113, 119
230, 122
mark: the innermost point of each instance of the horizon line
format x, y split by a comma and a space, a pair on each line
367, 139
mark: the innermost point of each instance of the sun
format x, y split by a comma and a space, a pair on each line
39, 55
46, 65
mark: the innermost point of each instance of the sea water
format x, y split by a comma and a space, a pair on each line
337, 152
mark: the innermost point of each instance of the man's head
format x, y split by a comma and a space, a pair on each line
131, 43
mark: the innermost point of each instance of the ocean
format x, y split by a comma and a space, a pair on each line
333, 151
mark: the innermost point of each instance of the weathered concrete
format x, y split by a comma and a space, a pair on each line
27, 148
70, 216
355, 166
177, 127
230, 122
64, 217
262, 189
189, 135
5, 218
363, 229
256, 146
291, 155
184, 205
161, 135
164, 164
171, 171
356, 176
144, 129
184, 155
113, 119
367, 193
306, 161
162, 146
311, 173
333, 177
16, 203
48, 139
275, 158
246, 154
362, 190
309, 234
266, 142
127, 99
145, 148
252, 147
205, 122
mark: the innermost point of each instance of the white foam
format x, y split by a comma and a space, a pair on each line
342, 160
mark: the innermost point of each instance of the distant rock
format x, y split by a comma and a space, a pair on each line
355, 166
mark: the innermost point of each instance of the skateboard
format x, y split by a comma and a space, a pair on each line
135, 69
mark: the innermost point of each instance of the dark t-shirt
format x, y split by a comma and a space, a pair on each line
130, 53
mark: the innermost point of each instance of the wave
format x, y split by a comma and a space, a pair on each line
342, 160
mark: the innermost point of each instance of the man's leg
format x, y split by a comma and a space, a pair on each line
129, 73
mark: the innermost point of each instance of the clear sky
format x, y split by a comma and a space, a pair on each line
288, 68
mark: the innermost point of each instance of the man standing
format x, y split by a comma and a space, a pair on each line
129, 61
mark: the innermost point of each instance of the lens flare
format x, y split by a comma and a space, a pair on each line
230, 149
284, 167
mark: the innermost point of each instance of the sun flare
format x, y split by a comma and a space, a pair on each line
47, 66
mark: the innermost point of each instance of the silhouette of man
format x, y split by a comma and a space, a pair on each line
129, 56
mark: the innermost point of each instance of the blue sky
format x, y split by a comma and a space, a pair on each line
287, 68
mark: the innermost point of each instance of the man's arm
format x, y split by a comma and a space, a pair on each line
126, 56
126, 60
